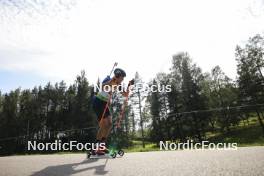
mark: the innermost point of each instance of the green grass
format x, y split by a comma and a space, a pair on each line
249, 135
137, 147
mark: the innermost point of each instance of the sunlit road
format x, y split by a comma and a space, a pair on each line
244, 161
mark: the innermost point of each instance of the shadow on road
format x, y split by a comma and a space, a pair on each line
69, 169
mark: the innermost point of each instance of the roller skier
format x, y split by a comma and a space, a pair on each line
101, 103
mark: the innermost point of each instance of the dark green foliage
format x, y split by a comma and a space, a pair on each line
199, 103
40, 114
250, 77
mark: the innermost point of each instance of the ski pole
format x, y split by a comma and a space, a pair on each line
106, 106
109, 99
115, 64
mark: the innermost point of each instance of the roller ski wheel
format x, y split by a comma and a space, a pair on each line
113, 155
88, 155
121, 153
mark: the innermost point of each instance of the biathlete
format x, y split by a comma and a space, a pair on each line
101, 102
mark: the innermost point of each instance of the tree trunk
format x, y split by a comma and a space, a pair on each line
212, 124
260, 121
197, 129
141, 120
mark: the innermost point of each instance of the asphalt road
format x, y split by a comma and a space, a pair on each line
244, 161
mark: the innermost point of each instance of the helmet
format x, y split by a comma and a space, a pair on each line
119, 72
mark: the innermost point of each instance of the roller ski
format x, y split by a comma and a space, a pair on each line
104, 153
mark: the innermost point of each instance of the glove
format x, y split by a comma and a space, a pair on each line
131, 82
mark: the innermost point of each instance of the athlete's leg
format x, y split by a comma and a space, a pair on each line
99, 134
106, 125
108, 128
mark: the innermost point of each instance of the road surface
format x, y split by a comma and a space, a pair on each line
247, 161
